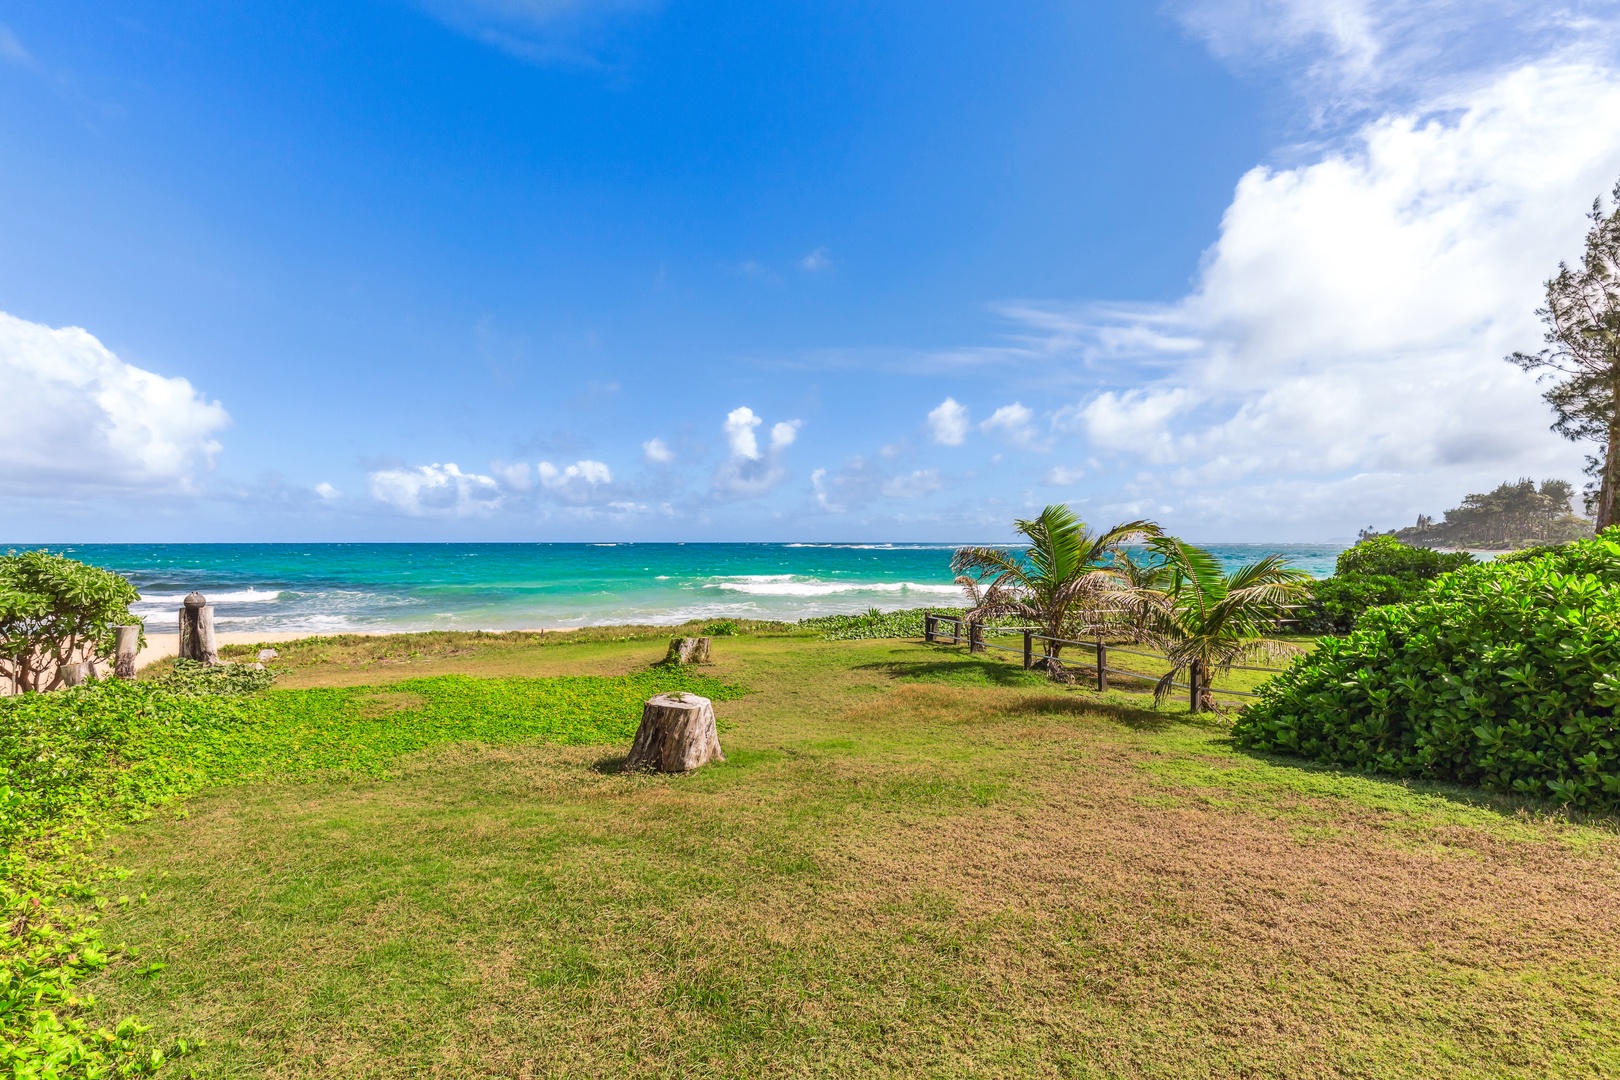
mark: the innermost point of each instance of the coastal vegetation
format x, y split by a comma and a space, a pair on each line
1582, 356
1206, 620
1063, 580
1378, 570
1515, 515
1502, 675
55, 611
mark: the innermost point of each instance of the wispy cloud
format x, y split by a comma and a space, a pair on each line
1367, 54
540, 31
12, 51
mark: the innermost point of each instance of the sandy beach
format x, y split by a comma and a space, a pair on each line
163, 646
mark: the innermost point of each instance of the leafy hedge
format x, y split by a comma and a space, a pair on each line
1505, 675
73, 763
1377, 571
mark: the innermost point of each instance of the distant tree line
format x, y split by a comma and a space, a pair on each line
1517, 514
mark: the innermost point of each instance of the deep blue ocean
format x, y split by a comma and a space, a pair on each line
330, 588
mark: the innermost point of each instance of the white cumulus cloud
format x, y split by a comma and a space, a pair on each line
948, 421
75, 416
327, 492
436, 491
1015, 424
750, 471
1351, 319
574, 483
657, 452
514, 477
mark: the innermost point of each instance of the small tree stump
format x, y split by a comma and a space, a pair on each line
676, 735
688, 650
124, 652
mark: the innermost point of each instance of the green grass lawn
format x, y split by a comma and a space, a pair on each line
912, 862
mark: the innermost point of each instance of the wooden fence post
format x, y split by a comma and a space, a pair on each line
1196, 680
928, 626
128, 641
1029, 649
975, 637
956, 631
1102, 665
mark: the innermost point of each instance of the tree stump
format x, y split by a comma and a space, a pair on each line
688, 650
124, 652
676, 735
197, 630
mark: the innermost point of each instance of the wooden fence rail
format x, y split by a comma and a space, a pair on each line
1198, 679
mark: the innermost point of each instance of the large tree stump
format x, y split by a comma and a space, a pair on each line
197, 630
688, 650
676, 735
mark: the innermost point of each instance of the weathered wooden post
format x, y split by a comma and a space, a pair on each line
1029, 649
1102, 664
677, 734
928, 626
975, 637
956, 631
127, 644
1196, 680
75, 674
197, 630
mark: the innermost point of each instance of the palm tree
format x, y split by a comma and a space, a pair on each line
1210, 619
1140, 575
1066, 580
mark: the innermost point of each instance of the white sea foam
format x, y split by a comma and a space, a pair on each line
249, 595
833, 588
878, 547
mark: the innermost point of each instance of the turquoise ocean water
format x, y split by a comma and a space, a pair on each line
332, 588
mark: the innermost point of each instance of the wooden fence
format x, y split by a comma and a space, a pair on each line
976, 634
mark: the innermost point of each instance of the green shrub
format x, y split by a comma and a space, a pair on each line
1379, 570
1505, 675
722, 628
1387, 555
1336, 603
53, 610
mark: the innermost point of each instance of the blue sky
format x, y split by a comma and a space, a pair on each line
552, 270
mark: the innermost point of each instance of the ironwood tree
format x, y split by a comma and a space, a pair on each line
1582, 357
